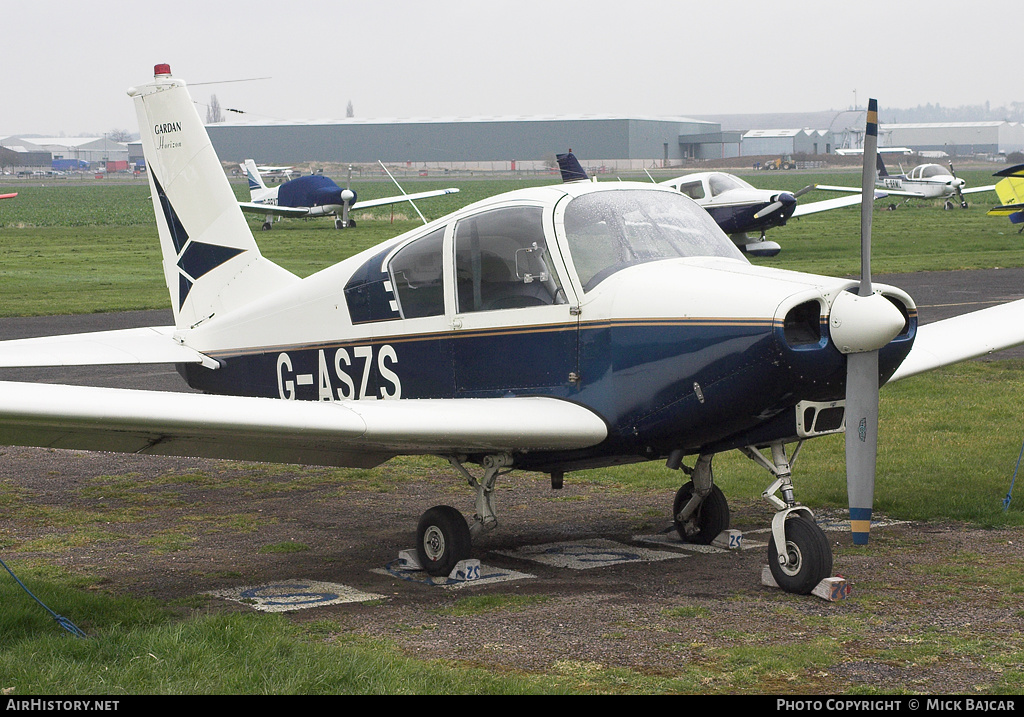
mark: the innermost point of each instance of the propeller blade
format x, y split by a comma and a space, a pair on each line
862, 367
808, 188
767, 210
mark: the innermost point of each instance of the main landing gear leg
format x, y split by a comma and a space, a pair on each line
443, 538
700, 511
799, 555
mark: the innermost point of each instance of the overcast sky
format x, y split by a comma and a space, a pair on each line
65, 67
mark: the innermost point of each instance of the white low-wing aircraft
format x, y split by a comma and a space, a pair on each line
315, 196
925, 181
741, 210
745, 212
550, 329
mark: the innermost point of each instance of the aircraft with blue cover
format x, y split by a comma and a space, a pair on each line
315, 196
550, 329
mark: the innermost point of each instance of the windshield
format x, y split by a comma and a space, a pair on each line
725, 182
933, 170
608, 231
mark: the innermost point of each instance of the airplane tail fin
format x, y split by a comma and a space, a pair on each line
570, 167
1010, 191
880, 166
210, 258
252, 173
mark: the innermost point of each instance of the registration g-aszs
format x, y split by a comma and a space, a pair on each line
344, 374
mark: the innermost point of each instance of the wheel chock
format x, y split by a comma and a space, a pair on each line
465, 570
407, 560
729, 539
831, 589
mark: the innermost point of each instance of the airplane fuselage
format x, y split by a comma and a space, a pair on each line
672, 353
929, 181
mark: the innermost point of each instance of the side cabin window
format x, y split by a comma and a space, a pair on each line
502, 261
417, 276
694, 190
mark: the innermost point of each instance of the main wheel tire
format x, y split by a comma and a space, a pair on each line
809, 556
710, 519
442, 540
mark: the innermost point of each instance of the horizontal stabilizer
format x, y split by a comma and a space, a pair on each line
149, 345
341, 433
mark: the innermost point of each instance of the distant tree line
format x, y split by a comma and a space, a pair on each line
964, 113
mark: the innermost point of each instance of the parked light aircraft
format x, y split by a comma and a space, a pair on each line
925, 181
314, 196
266, 171
1010, 191
551, 329
742, 211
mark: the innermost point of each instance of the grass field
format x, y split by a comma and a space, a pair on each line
92, 248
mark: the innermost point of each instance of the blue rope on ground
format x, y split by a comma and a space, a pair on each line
61, 620
1009, 495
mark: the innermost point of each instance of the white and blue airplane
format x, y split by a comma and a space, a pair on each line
315, 196
740, 209
548, 329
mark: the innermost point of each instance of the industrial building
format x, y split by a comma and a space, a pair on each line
42, 152
484, 143
956, 139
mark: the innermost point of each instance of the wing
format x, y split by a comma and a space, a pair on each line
148, 345
8, 196
964, 337
894, 192
827, 204
974, 190
265, 209
367, 203
358, 434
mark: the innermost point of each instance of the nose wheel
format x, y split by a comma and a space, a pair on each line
806, 558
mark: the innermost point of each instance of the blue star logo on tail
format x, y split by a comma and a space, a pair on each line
194, 258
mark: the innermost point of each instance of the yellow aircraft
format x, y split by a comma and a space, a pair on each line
1010, 190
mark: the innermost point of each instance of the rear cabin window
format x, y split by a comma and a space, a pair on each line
502, 261
417, 275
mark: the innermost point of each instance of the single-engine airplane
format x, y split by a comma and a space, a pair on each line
314, 196
1010, 191
742, 211
550, 329
925, 181
266, 171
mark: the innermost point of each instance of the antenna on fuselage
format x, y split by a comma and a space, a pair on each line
402, 191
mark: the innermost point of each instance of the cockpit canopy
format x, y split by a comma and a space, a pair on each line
610, 231
929, 171
516, 255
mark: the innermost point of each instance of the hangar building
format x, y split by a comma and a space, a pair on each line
957, 138
485, 143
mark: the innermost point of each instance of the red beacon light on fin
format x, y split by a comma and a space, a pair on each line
162, 70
